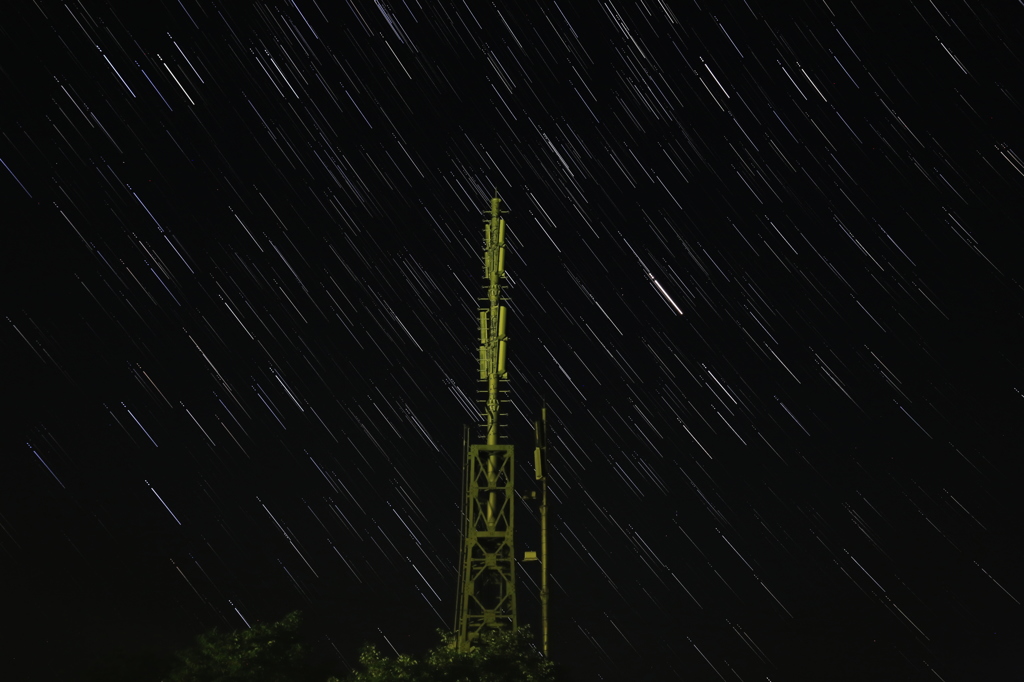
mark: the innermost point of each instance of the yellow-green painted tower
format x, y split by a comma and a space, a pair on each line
487, 580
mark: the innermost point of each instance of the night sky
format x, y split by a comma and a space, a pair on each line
764, 268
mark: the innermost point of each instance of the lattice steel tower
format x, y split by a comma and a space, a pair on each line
487, 581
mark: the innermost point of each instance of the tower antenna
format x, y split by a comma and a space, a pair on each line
487, 582
540, 465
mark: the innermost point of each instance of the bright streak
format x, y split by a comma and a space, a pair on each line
118, 74
241, 616
164, 504
664, 293
178, 81
140, 426
49, 469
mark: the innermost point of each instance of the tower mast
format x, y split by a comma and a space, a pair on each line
487, 596
540, 464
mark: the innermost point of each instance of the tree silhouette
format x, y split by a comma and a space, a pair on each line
267, 652
499, 656
273, 652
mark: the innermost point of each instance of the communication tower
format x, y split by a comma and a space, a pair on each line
487, 581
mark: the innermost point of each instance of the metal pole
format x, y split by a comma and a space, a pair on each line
541, 471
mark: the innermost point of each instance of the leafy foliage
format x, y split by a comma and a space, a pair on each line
272, 652
500, 656
267, 652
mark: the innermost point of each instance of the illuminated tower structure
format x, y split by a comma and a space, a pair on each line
487, 580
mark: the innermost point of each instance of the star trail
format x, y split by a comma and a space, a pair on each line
762, 267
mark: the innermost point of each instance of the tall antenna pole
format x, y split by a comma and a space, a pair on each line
540, 464
493, 319
487, 597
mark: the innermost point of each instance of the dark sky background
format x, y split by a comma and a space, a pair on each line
764, 268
